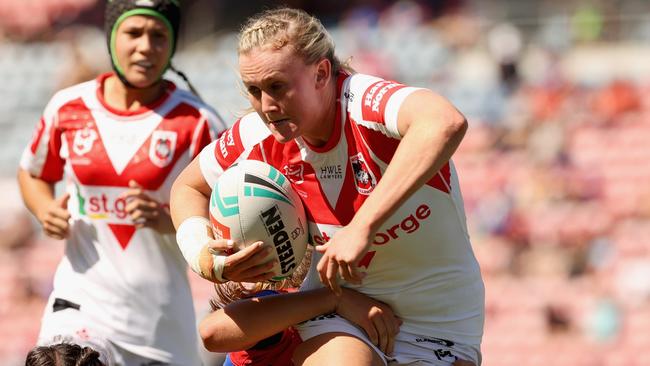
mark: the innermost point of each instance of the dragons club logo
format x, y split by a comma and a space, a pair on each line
83, 141
363, 177
295, 173
162, 148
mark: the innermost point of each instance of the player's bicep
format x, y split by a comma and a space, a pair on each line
192, 177
208, 164
190, 194
425, 106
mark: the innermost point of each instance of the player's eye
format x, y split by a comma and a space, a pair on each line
133, 33
276, 87
254, 91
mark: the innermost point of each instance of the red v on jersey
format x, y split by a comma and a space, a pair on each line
104, 150
123, 139
123, 233
287, 159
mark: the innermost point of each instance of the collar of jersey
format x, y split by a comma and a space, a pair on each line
336, 134
101, 79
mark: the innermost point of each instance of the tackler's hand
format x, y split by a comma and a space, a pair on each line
374, 317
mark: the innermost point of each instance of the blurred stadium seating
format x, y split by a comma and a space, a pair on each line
555, 168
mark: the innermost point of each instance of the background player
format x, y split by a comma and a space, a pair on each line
371, 158
120, 141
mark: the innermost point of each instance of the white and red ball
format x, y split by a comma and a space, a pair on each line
252, 201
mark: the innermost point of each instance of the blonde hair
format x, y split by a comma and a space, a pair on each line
232, 291
294, 27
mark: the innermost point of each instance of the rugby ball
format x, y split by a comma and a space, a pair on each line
252, 201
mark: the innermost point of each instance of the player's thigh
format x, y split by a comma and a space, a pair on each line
336, 349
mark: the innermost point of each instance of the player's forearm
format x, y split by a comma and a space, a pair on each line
186, 202
424, 149
244, 323
36, 193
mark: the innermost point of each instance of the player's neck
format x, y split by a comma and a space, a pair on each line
121, 97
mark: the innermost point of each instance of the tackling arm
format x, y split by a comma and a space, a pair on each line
242, 324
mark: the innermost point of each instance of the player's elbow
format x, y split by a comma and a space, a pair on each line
23, 176
216, 337
215, 345
212, 336
457, 125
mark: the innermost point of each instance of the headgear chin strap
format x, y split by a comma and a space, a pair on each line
168, 11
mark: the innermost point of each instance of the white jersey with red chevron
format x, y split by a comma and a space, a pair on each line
131, 283
421, 261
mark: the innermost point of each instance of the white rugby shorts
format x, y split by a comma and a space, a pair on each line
410, 349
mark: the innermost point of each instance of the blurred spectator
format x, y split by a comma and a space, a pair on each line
605, 321
557, 319
31, 19
88, 55
587, 23
505, 44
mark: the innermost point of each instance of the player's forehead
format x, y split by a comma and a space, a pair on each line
140, 21
263, 64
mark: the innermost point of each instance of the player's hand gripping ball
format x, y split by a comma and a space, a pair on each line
253, 201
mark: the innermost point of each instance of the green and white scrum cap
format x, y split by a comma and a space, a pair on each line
168, 11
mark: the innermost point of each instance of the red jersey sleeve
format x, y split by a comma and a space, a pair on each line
42, 158
229, 146
374, 103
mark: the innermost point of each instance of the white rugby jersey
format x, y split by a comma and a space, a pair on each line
130, 283
421, 262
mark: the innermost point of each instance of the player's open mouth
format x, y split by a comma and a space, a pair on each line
144, 64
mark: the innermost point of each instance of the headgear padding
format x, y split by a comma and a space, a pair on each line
168, 11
